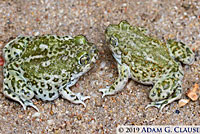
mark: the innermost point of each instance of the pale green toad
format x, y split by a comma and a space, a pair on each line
46, 67
147, 60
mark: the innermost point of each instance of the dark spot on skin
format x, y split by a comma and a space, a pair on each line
8, 90
14, 89
28, 82
144, 74
27, 39
72, 96
67, 91
27, 93
35, 92
39, 78
51, 95
22, 91
8, 74
55, 79
49, 87
76, 98
33, 82
25, 75
188, 50
165, 102
174, 96
45, 95
19, 81
111, 88
40, 91
42, 84
63, 75
13, 95
153, 94
24, 85
158, 91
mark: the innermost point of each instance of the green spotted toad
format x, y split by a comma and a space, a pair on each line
46, 67
149, 61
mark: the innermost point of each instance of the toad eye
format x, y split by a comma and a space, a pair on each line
114, 41
84, 59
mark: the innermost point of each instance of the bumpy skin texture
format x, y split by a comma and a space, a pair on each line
149, 61
45, 67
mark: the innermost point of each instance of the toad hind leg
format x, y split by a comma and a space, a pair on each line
10, 94
15, 48
161, 104
164, 92
119, 83
15, 88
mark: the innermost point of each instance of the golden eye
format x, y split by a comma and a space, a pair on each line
84, 59
113, 41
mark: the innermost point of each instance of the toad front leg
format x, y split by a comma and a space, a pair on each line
119, 83
76, 98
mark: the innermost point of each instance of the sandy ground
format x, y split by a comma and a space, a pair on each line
165, 19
